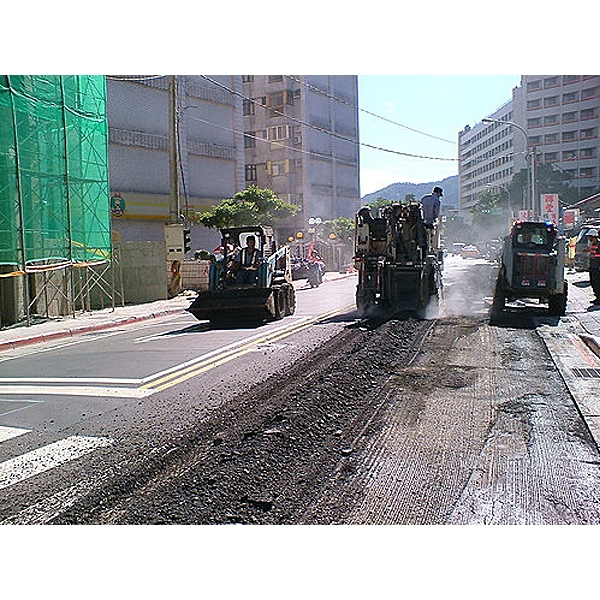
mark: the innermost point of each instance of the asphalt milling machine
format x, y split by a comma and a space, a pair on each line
399, 261
230, 303
532, 267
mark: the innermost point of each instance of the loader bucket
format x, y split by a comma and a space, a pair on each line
234, 305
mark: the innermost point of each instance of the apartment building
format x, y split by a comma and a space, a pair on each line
301, 141
562, 116
558, 117
211, 154
490, 153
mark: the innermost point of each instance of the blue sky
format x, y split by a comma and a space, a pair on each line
437, 105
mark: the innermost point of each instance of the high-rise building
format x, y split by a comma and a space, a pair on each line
561, 114
301, 141
487, 154
557, 117
209, 149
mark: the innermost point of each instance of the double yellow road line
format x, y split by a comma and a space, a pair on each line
176, 375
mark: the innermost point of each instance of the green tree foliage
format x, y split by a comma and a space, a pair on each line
342, 228
252, 206
490, 214
549, 180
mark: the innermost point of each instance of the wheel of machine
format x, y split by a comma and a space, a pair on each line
290, 299
557, 304
364, 301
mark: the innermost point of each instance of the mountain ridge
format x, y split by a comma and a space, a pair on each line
398, 191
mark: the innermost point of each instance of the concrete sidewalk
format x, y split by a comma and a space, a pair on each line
579, 306
68, 326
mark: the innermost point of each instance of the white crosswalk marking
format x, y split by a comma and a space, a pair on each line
6, 433
48, 457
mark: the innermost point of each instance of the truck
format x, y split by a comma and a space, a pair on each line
532, 266
398, 259
270, 297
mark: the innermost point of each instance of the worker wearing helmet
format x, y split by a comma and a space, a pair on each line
594, 267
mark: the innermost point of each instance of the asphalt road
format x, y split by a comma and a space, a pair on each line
62, 401
455, 448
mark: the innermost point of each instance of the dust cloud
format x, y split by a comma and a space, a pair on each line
468, 286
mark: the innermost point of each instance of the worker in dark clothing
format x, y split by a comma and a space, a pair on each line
594, 267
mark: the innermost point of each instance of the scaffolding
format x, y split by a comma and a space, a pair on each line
54, 191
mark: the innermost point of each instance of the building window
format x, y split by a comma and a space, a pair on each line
551, 101
570, 79
569, 117
534, 86
587, 153
533, 104
587, 134
275, 78
550, 157
570, 97
247, 78
279, 132
589, 93
550, 82
551, 120
588, 113
535, 140
569, 136
248, 107
587, 172
280, 167
250, 139
251, 173
569, 155
551, 138
535, 122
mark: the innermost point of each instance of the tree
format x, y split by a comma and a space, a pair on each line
342, 228
490, 213
549, 180
252, 206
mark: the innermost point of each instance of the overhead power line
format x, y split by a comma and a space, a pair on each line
321, 129
364, 110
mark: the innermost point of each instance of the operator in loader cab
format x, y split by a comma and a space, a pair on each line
245, 264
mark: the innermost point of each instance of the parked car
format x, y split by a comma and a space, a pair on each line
457, 248
470, 252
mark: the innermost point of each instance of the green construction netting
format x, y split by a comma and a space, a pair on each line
54, 190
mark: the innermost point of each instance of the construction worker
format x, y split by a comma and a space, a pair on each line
431, 206
594, 266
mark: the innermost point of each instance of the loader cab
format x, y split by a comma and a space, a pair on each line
534, 236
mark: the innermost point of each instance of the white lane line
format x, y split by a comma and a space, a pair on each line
74, 380
108, 392
7, 433
36, 350
48, 457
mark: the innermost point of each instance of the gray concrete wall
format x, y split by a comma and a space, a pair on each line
143, 268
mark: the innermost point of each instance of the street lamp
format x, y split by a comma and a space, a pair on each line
531, 155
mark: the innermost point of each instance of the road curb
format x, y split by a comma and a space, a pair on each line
70, 332
592, 342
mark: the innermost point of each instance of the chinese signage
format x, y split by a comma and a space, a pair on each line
550, 207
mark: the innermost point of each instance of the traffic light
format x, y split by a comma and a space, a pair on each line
187, 241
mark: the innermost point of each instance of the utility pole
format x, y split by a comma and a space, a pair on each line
174, 208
